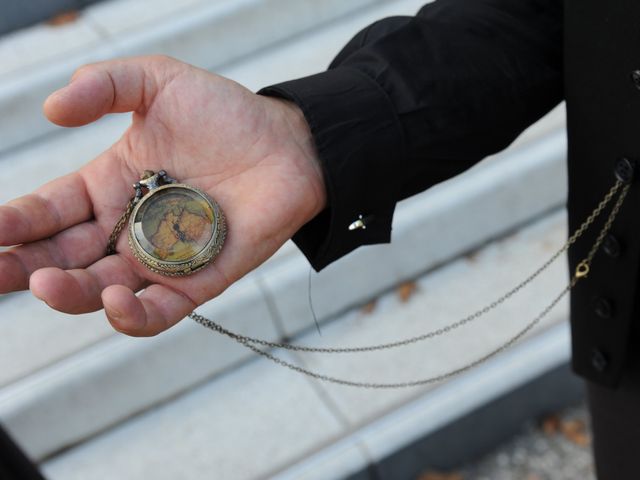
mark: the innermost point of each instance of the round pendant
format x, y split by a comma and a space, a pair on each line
176, 229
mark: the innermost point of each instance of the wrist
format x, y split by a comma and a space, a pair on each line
301, 153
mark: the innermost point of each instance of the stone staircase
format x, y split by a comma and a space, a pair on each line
88, 403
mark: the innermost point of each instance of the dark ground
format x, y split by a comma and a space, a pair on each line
557, 447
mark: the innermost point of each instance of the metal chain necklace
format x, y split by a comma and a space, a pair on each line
581, 272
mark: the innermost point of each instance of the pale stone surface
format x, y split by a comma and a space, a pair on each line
189, 37
117, 17
35, 336
105, 384
100, 386
22, 96
319, 46
120, 17
240, 426
442, 297
25, 50
44, 160
25, 169
400, 427
208, 34
69, 152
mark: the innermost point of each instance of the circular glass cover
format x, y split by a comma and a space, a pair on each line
174, 224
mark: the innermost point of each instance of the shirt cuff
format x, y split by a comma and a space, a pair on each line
361, 149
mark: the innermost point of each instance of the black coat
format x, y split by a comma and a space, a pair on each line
412, 101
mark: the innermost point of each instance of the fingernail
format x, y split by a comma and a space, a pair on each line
115, 317
124, 324
113, 314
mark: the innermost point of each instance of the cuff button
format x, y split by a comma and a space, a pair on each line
625, 170
599, 360
611, 246
635, 78
603, 308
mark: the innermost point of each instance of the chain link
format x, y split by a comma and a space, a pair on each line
120, 224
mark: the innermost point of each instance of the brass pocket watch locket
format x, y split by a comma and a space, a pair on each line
174, 229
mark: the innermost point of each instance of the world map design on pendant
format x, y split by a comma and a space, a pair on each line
174, 229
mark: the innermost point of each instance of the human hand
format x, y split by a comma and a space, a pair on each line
254, 155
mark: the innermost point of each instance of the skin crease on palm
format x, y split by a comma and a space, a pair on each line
253, 154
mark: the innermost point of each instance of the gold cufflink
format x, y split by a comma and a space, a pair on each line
360, 223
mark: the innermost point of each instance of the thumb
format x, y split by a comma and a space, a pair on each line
114, 86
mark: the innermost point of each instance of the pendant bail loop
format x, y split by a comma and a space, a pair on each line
582, 270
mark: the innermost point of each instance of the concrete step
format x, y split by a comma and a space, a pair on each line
16, 15
45, 379
48, 158
264, 421
38, 60
66, 379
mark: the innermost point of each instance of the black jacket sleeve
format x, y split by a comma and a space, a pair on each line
413, 101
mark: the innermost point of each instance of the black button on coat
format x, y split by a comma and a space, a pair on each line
611, 246
413, 101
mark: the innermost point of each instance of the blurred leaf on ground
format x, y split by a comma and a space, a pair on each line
64, 18
369, 307
551, 424
406, 290
576, 432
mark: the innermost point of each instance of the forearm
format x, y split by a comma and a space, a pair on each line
412, 101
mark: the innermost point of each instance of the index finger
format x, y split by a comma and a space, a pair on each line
55, 206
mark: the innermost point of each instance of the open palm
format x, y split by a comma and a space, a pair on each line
252, 154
